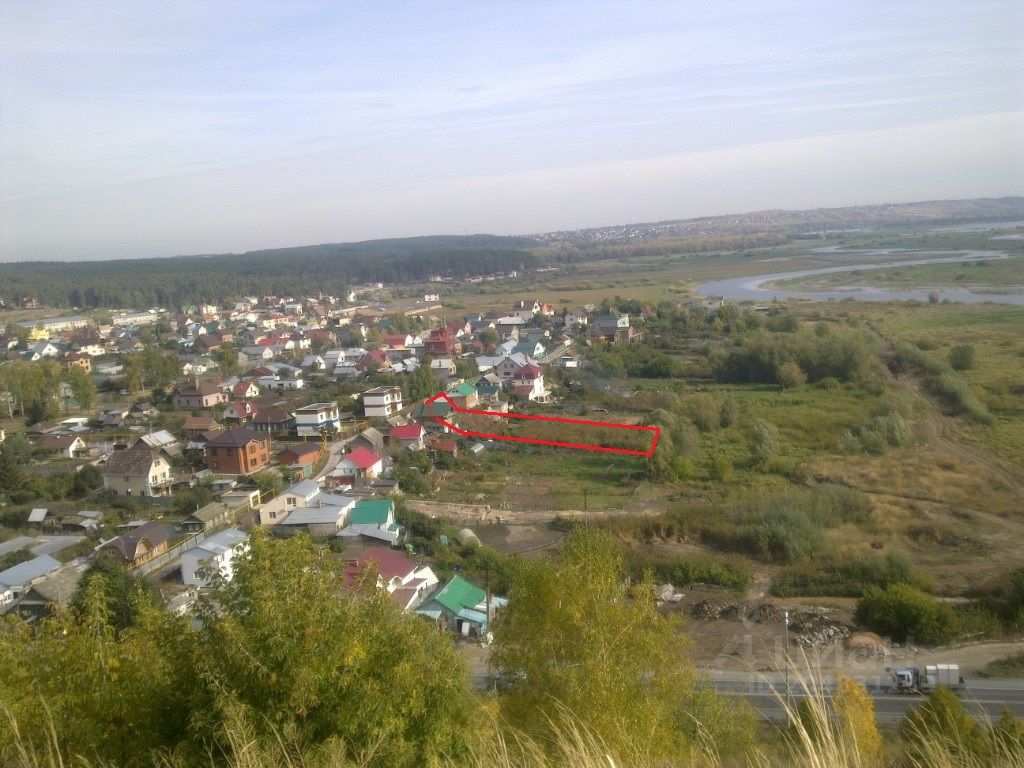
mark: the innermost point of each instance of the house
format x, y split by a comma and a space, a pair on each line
199, 393
407, 583
441, 342
574, 318
407, 436
528, 383
273, 421
532, 307
324, 516
359, 463
245, 389
488, 386
529, 348
238, 451
16, 579
399, 341
49, 593
196, 425
300, 453
137, 471
78, 360
68, 446
207, 518
313, 363
214, 555
382, 401
136, 547
373, 519
311, 420
298, 495
444, 367
239, 413
440, 445
464, 395
507, 367
371, 439
607, 326
162, 441
461, 607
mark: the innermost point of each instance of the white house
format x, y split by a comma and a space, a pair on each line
382, 401
215, 554
528, 382
373, 519
311, 419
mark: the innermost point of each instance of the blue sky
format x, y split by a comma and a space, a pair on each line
151, 129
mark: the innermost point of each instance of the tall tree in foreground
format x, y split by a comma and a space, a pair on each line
579, 645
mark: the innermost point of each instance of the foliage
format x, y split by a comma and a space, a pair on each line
848, 576
856, 713
359, 672
87, 478
764, 442
731, 573
125, 595
573, 633
941, 717
14, 557
962, 357
901, 611
300, 271
269, 482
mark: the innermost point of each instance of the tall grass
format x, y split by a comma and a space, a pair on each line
815, 737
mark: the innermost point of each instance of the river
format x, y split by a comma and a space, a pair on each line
758, 288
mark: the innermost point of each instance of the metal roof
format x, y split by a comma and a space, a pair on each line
22, 573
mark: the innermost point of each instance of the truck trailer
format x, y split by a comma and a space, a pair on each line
914, 680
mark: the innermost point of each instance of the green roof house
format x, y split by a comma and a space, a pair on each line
373, 519
460, 606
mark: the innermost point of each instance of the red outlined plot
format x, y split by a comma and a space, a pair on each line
655, 431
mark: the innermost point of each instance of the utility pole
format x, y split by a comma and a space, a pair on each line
586, 516
785, 619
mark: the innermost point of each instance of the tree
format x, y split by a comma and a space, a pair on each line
82, 387
227, 358
577, 641
939, 726
125, 595
721, 468
856, 713
347, 672
901, 611
764, 442
87, 479
962, 357
269, 482
791, 375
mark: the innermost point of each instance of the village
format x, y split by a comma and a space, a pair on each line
288, 415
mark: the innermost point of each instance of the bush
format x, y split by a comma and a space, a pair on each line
962, 357
731, 573
764, 442
901, 611
721, 469
848, 576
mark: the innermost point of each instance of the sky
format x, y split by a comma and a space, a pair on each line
153, 128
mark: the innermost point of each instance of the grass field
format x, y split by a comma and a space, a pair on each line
996, 276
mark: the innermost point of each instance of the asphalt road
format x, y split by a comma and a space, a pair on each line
984, 698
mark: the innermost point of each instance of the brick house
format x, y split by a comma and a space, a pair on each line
238, 451
199, 393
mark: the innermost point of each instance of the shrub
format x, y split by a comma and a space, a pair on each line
942, 723
962, 357
764, 442
791, 375
721, 468
901, 611
848, 576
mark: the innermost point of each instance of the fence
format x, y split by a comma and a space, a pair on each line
187, 543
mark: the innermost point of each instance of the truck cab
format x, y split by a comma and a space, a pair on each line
905, 679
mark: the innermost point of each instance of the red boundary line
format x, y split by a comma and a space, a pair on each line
537, 441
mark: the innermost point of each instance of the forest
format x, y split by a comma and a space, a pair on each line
305, 270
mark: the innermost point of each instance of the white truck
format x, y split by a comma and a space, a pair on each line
914, 680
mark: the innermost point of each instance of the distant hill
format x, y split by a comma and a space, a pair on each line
332, 267
302, 270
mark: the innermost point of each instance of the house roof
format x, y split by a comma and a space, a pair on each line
159, 439
373, 436
362, 458
199, 423
407, 432
302, 449
128, 543
458, 594
37, 515
25, 572
221, 542
197, 387
235, 438
272, 416
387, 563
315, 515
528, 371
371, 512
137, 460
59, 442
465, 388
210, 512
